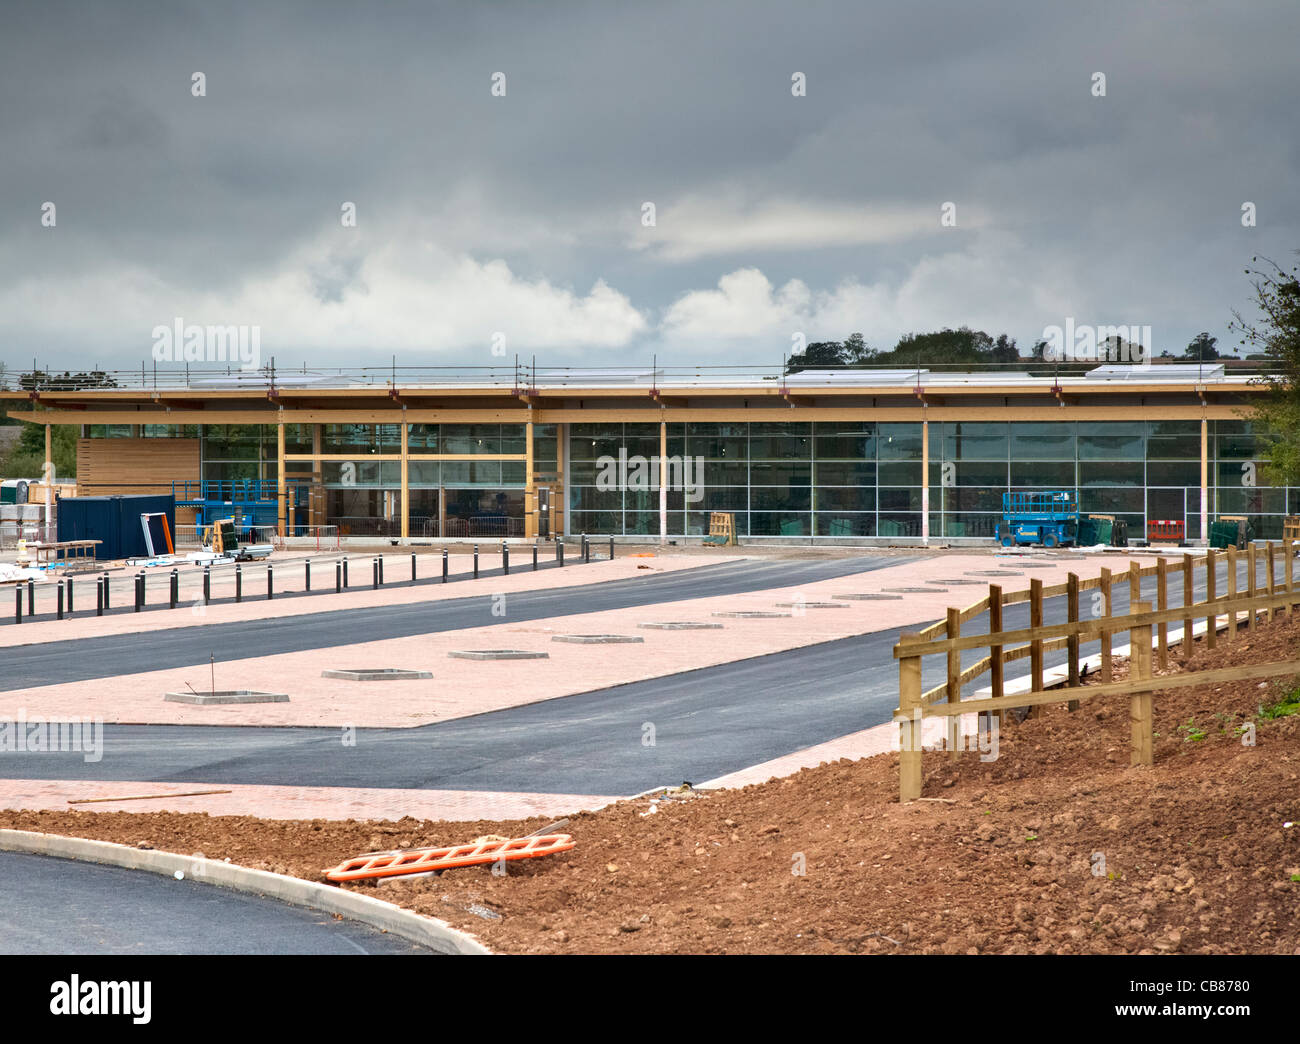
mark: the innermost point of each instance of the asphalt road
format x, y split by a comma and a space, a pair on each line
60, 906
703, 723
49, 663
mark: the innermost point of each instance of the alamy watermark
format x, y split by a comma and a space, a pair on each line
189, 342
1100, 344
36, 735
643, 473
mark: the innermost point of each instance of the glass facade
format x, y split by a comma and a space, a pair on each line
789, 479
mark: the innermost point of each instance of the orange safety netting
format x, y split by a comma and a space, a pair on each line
424, 860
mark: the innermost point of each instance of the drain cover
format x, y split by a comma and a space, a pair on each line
680, 625
497, 654
377, 674
204, 699
598, 639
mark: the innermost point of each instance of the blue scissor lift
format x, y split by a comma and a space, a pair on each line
250, 502
1050, 518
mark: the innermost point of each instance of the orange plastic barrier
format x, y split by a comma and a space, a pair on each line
424, 860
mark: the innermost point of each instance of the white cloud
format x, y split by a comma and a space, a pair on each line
719, 224
329, 306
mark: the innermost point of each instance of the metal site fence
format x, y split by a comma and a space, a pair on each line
1147, 626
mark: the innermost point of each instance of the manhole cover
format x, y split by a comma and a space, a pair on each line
680, 625
812, 605
872, 596
752, 615
226, 696
497, 654
377, 674
598, 639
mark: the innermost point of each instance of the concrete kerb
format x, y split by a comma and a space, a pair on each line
497, 654
377, 674
205, 699
680, 625
598, 639
426, 931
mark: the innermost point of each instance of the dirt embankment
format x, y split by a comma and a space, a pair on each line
1058, 846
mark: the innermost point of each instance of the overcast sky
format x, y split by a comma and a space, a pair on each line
775, 215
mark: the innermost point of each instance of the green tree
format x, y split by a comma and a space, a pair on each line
1275, 334
1202, 348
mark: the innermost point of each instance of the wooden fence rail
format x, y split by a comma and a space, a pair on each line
1148, 629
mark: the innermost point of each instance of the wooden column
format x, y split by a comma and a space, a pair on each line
925, 481
316, 496
1205, 481
530, 487
663, 481
281, 484
47, 480
406, 478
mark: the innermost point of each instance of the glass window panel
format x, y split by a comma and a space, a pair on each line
776, 447
422, 438
845, 524
979, 473
589, 498
1174, 473
1186, 447
772, 473
845, 441
1244, 501
780, 498
893, 499
596, 522
723, 498
423, 472
973, 499
899, 441
1111, 501
514, 473
967, 440
846, 473
471, 472
842, 498
966, 524
1048, 474
1111, 441
772, 523
900, 473
898, 524
1109, 473
1230, 473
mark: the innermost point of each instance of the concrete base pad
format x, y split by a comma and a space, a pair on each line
812, 605
914, 590
993, 572
377, 674
597, 639
681, 625
954, 580
226, 696
873, 596
497, 654
752, 615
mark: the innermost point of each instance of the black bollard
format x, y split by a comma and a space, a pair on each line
559, 552
107, 606
476, 561
99, 596
207, 584
69, 596
505, 559
338, 577
239, 582
18, 605
270, 581
611, 549
60, 600
345, 571
175, 589
412, 567
381, 570
374, 572
534, 556
31, 597
139, 592
444, 565
586, 549
306, 574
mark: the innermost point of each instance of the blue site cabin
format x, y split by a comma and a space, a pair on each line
1050, 518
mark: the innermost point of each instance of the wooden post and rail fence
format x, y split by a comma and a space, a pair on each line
1147, 625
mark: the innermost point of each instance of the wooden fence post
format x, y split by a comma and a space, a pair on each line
1288, 553
1189, 598
1252, 584
1140, 703
1106, 610
954, 685
1211, 582
1272, 583
1072, 642
1232, 592
909, 702
1036, 644
995, 651
1162, 602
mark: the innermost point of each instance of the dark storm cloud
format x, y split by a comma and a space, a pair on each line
1114, 209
